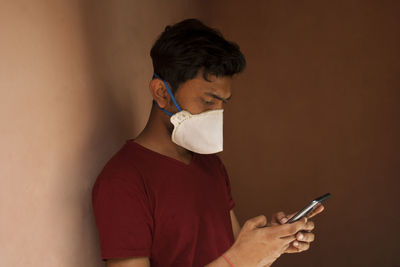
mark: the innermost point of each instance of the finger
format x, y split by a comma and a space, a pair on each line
305, 237
318, 209
281, 217
259, 221
288, 239
292, 249
301, 246
285, 247
309, 226
291, 215
291, 228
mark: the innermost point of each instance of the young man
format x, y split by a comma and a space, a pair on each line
164, 199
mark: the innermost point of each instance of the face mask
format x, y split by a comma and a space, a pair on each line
200, 133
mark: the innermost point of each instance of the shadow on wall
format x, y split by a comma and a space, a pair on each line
74, 78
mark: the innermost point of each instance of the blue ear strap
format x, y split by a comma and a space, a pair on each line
165, 111
170, 94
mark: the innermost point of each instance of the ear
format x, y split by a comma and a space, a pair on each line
159, 92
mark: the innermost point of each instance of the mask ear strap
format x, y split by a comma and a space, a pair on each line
170, 94
165, 111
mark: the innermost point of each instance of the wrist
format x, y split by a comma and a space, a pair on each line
220, 262
231, 257
227, 260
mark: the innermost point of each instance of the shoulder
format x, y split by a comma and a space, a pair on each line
120, 171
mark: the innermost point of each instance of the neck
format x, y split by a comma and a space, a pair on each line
156, 136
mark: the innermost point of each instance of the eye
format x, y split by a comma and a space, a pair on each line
208, 102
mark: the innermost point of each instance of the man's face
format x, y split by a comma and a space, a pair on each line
198, 95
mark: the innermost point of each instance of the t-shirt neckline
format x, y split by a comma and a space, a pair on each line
191, 163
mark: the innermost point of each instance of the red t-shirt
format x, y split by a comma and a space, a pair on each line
150, 205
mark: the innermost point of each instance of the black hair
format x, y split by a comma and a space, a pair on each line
189, 46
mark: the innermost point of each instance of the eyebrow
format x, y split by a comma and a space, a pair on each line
218, 97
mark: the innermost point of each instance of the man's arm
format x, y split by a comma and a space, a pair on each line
129, 262
235, 224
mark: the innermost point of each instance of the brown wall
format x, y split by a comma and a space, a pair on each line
317, 111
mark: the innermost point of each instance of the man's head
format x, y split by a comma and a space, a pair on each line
198, 64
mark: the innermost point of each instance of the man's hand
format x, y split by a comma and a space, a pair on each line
258, 245
303, 238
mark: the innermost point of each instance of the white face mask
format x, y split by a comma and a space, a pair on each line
200, 133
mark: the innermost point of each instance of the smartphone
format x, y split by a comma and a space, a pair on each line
308, 208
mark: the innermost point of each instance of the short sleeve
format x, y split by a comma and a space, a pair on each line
123, 216
230, 200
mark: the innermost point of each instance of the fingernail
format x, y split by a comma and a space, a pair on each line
284, 219
295, 243
301, 236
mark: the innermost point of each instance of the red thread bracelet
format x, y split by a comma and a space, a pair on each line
230, 263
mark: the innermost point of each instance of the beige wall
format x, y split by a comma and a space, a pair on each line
73, 86
315, 111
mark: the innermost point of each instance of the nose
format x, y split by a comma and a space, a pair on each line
220, 105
